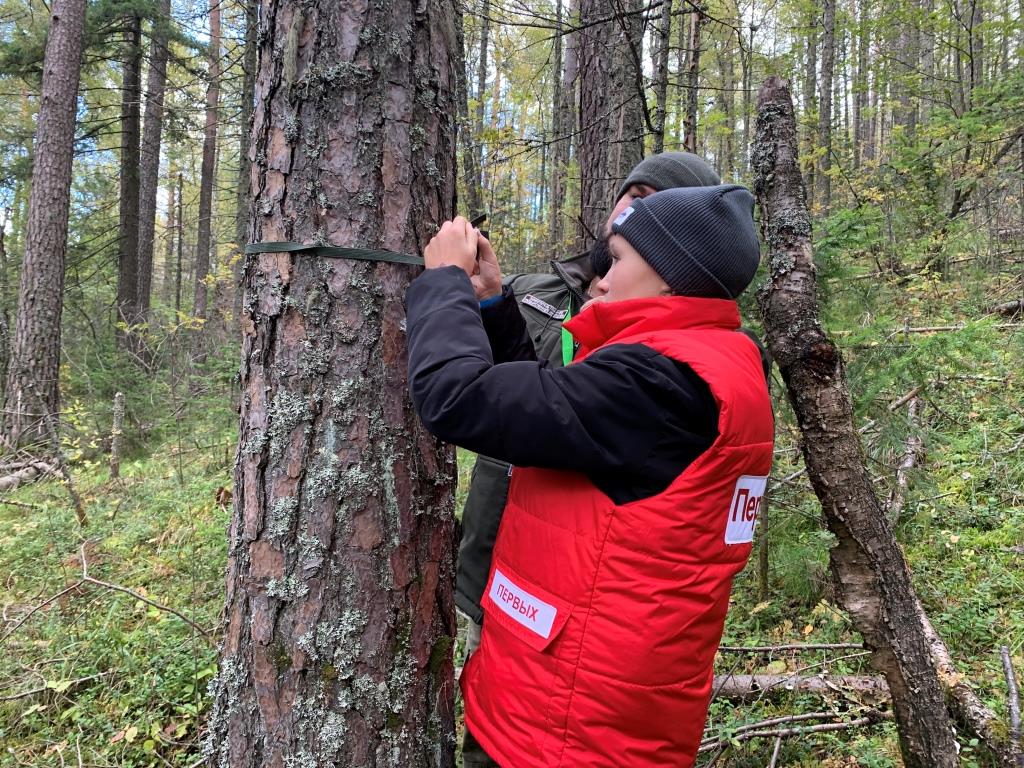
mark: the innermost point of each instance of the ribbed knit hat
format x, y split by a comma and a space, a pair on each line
669, 170
700, 240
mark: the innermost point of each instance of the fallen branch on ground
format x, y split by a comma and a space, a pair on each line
746, 686
873, 717
42, 689
33, 471
1012, 705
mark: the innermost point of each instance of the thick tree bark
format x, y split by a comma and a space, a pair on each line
611, 118
663, 36
868, 566
828, 49
692, 80
32, 390
340, 619
244, 194
208, 168
149, 156
128, 202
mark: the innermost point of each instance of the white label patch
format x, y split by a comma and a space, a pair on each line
623, 216
542, 306
746, 501
533, 613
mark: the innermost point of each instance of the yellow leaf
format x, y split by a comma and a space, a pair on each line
130, 734
808, 629
760, 607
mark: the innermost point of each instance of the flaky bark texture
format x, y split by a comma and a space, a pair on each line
31, 389
868, 566
340, 620
611, 108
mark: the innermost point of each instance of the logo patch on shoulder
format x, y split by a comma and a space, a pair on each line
514, 601
746, 502
542, 306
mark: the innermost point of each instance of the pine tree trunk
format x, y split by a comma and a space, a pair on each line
468, 138
867, 563
206, 174
149, 156
340, 618
31, 391
610, 123
828, 47
481, 92
244, 196
692, 80
563, 124
167, 284
663, 36
860, 85
181, 246
128, 202
727, 99
810, 100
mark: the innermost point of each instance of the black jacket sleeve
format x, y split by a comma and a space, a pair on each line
506, 329
628, 417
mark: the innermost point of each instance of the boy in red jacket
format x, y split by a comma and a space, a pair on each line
639, 472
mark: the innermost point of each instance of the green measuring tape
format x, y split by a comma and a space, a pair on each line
336, 252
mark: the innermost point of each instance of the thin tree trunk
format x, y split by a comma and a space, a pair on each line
810, 100
692, 80
870, 571
181, 245
128, 202
468, 137
149, 156
828, 47
748, 90
481, 90
860, 85
31, 391
660, 82
207, 172
244, 183
340, 618
170, 231
117, 436
727, 99
563, 125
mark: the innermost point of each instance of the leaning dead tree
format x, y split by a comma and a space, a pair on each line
340, 618
867, 564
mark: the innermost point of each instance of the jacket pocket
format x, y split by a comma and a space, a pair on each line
527, 611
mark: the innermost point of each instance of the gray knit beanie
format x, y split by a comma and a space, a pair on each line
700, 240
669, 170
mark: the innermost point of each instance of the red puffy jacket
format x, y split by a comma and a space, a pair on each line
602, 621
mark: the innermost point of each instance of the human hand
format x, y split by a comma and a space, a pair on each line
455, 245
487, 277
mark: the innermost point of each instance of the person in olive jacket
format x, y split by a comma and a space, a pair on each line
543, 302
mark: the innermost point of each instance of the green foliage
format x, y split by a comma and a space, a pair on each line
121, 680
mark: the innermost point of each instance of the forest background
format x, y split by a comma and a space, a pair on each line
911, 115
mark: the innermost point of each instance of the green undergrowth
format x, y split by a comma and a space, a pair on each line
98, 672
